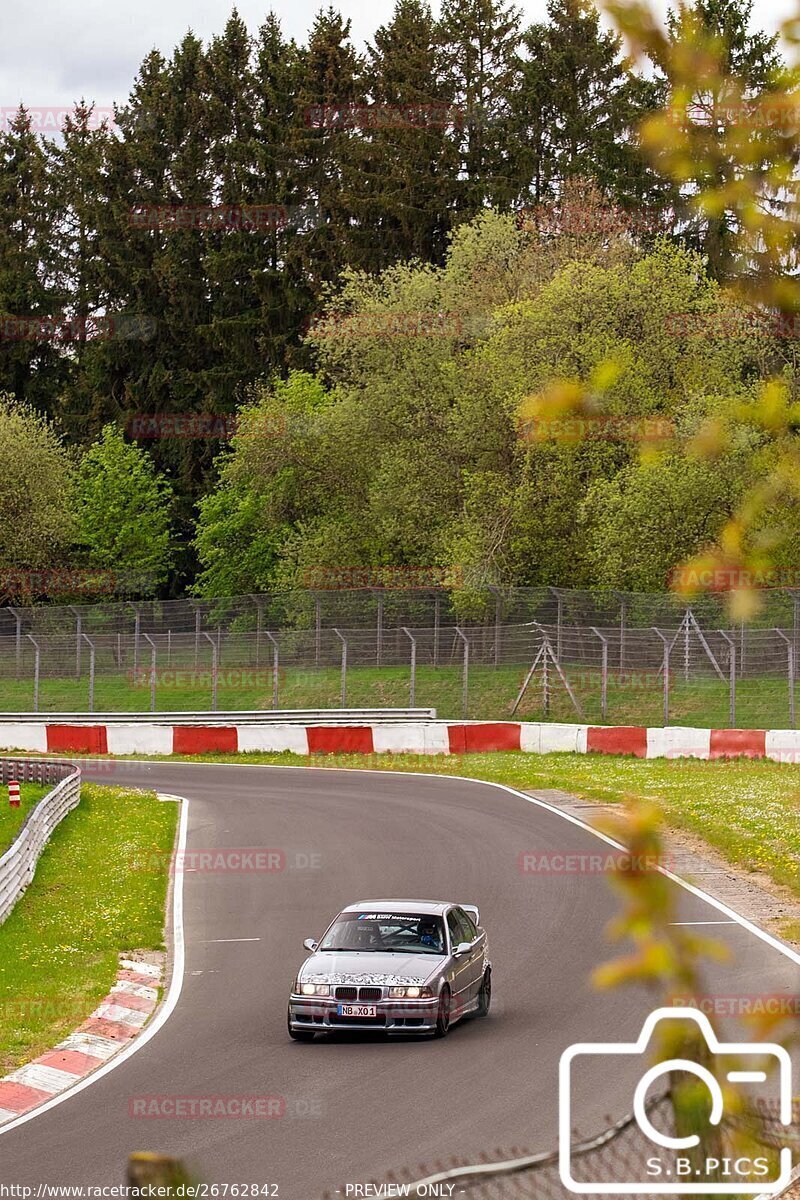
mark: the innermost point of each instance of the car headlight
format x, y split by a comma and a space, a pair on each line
409, 993
315, 989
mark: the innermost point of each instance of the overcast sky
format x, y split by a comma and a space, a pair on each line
53, 52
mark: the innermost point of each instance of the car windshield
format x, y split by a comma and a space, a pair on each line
386, 933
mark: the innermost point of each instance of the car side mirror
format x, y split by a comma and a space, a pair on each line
310, 944
462, 948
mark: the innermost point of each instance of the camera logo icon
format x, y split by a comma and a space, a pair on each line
676, 1165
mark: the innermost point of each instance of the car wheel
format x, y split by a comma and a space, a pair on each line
485, 994
299, 1035
443, 1015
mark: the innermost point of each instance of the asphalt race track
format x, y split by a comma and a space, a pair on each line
355, 1109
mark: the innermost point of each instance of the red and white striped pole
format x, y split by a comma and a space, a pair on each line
13, 793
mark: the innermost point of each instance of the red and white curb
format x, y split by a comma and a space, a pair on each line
113, 1024
402, 737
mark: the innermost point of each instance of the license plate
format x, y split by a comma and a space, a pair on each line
357, 1010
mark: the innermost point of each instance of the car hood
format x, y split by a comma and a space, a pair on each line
349, 967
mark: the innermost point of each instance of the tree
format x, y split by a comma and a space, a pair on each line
410, 160
747, 66
481, 42
123, 513
32, 304
36, 496
578, 108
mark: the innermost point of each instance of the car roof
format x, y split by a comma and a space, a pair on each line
435, 907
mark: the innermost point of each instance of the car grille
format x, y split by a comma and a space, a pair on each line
370, 993
355, 993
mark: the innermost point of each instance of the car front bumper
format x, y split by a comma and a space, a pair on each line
318, 1015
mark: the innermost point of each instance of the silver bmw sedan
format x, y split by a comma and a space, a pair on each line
396, 966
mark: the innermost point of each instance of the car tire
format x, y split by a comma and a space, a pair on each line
299, 1035
485, 994
443, 1013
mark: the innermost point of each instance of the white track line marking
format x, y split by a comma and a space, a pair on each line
216, 941
170, 1001
676, 923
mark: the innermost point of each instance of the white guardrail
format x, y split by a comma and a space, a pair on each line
18, 863
286, 716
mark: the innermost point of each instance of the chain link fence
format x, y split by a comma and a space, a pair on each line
618, 1154
537, 653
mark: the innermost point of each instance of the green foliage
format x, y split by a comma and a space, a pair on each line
123, 512
36, 491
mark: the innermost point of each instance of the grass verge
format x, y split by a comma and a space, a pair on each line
748, 809
59, 947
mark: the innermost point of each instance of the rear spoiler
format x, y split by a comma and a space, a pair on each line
472, 909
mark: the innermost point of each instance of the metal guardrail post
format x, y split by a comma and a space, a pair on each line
412, 690
275, 654
147, 638
317, 630
36, 665
604, 672
213, 671
379, 632
665, 644
343, 640
437, 621
731, 679
86, 638
790, 665
465, 679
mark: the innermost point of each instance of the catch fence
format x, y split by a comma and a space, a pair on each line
530, 653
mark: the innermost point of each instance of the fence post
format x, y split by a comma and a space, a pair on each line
78, 640
623, 611
731, 678
317, 630
790, 665
213, 671
412, 690
147, 638
18, 620
465, 679
36, 664
86, 637
198, 616
559, 618
687, 615
665, 668
343, 640
437, 615
379, 632
604, 672
137, 626
275, 653
498, 612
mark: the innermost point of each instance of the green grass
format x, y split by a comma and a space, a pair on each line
633, 697
748, 809
11, 818
59, 947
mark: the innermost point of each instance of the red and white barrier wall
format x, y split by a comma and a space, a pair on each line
409, 737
